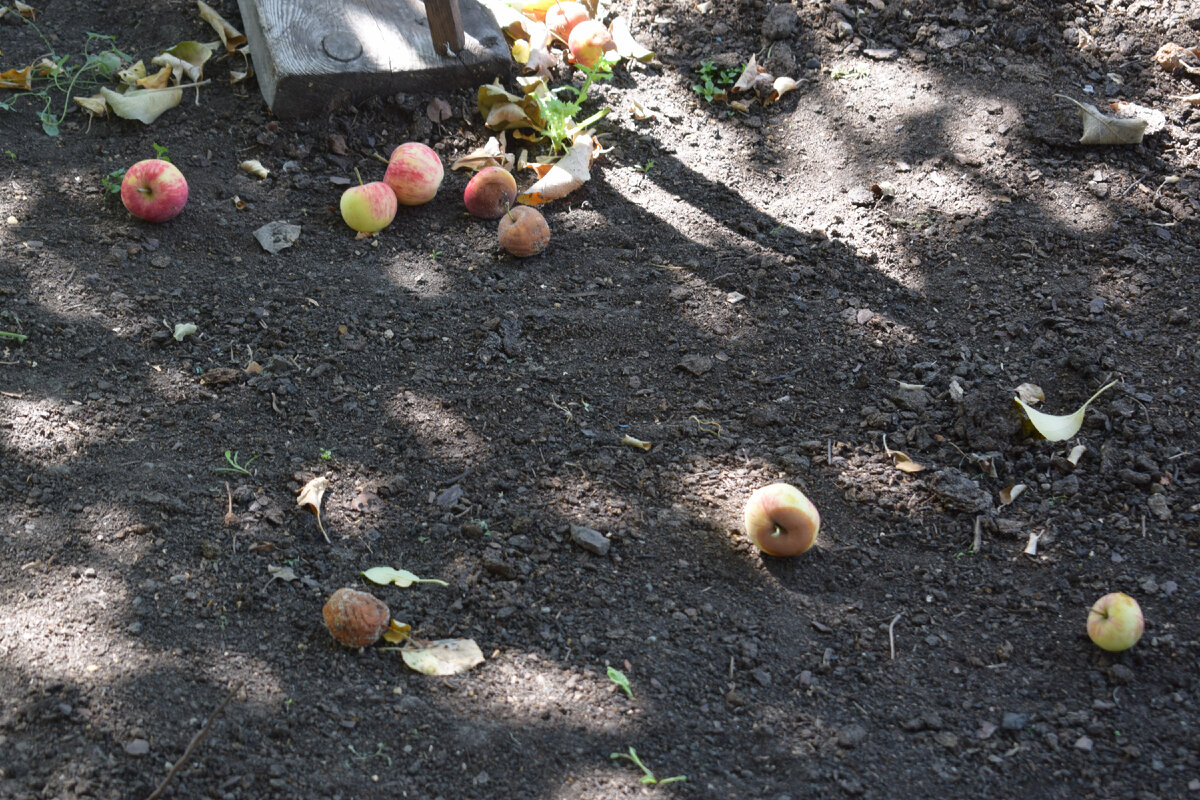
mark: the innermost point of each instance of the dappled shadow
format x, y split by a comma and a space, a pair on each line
750, 324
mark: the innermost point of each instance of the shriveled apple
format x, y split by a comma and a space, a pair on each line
561, 18
524, 232
588, 42
490, 193
356, 619
781, 520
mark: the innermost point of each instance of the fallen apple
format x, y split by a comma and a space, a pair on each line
1115, 622
588, 42
356, 619
561, 18
414, 172
781, 520
490, 193
154, 190
369, 207
524, 232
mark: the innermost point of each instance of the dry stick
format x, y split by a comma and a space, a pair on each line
978, 541
892, 634
195, 742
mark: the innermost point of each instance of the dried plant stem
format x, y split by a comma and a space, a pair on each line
892, 634
195, 742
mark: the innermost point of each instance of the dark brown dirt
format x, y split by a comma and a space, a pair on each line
726, 287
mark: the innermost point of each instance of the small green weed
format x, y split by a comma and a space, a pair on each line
645, 168
20, 337
326, 455
160, 152
857, 71
112, 181
558, 115
231, 458
616, 676
715, 81
647, 776
59, 77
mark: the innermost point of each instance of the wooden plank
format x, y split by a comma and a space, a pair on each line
311, 56
445, 25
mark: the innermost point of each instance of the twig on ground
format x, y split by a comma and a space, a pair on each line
892, 634
195, 742
977, 542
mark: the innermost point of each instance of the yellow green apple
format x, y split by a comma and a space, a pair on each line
781, 520
1115, 622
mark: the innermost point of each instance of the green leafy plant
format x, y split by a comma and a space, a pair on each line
62, 76
558, 115
616, 676
160, 151
112, 181
715, 81
231, 458
645, 168
647, 776
326, 455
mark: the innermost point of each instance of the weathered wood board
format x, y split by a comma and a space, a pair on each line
314, 55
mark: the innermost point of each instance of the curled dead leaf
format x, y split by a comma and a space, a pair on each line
19, 79
748, 76
94, 105
781, 86
438, 110
901, 460
638, 443
1011, 493
492, 154
1031, 394
230, 36
144, 105
133, 73
1102, 129
311, 496
627, 46
571, 172
1172, 56
255, 168
443, 656
158, 80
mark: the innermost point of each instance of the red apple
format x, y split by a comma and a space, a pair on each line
561, 18
588, 42
781, 520
369, 208
524, 232
154, 190
1115, 622
490, 193
414, 172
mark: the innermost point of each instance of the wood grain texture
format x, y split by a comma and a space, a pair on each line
314, 55
445, 25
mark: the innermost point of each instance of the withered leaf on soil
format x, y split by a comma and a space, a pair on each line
255, 168
231, 37
158, 80
1031, 393
1172, 56
901, 460
19, 79
748, 76
1101, 129
781, 86
133, 73
638, 443
571, 172
397, 632
144, 105
1011, 493
400, 577
627, 46
94, 105
186, 58
311, 496
438, 110
492, 154
443, 656
1059, 428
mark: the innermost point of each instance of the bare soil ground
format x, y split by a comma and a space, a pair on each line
726, 287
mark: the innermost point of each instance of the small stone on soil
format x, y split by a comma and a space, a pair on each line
590, 539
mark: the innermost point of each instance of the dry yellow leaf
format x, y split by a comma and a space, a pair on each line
311, 496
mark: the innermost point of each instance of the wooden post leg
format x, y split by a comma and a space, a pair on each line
445, 26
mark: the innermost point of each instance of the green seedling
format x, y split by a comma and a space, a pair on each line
434, 254
856, 71
645, 168
160, 152
558, 115
58, 77
647, 776
112, 181
326, 455
20, 337
231, 458
616, 676
715, 81
368, 756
